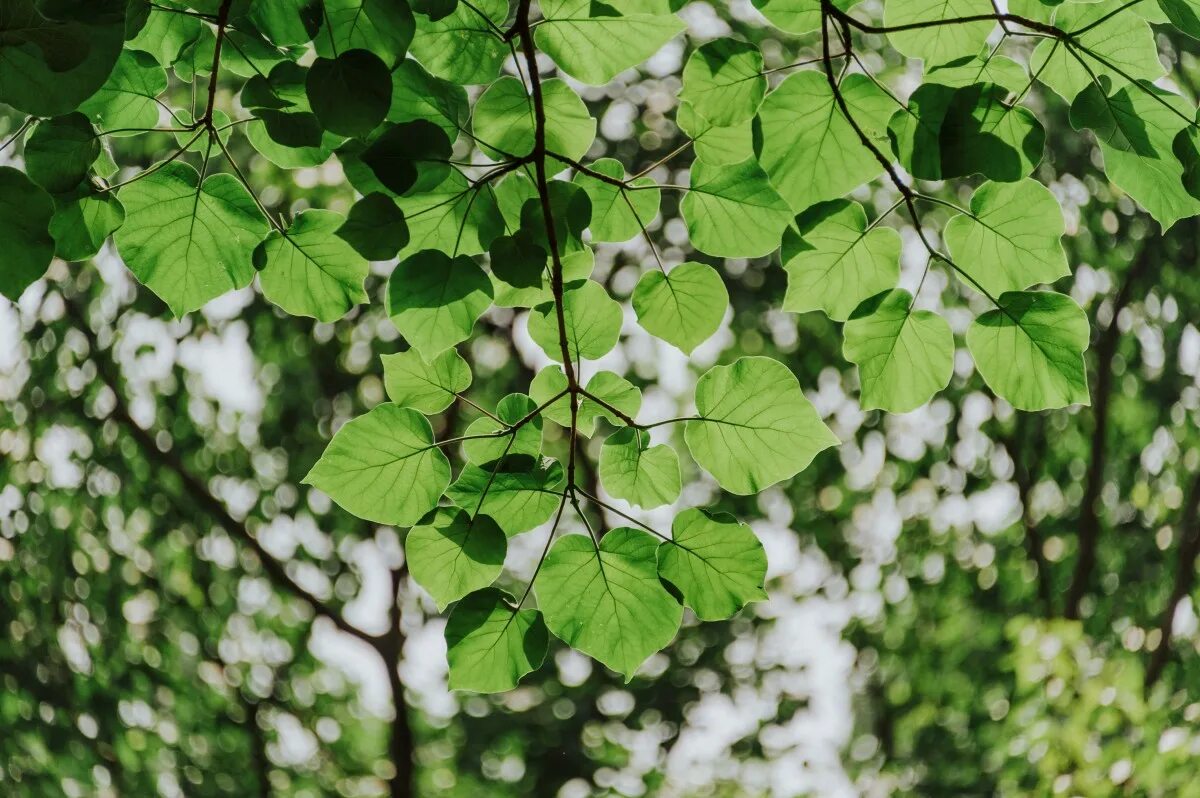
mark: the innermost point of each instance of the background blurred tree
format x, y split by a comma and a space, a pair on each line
964, 600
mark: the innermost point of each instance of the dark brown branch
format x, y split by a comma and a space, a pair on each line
1089, 511
1185, 577
401, 746
222, 21
1026, 447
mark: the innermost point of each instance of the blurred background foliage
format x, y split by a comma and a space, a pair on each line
964, 601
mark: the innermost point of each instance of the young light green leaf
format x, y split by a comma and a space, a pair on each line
612, 389
351, 93
608, 602
463, 46
592, 323
797, 16
592, 41
809, 149
718, 564
434, 300
383, 466
716, 145
723, 81
938, 44
618, 214
1010, 240
451, 554
733, 212
519, 493
503, 119
375, 227
25, 215
451, 218
643, 475
311, 271
188, 241
1030, 350
837, 262
527, 440
60, 152
427, 387
684, 307
490, 644
904, 357
755, 426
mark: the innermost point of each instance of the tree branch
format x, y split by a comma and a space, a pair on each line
1185, 575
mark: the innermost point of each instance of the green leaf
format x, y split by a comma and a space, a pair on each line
608, 602
755, 427
434, 300
384, 467
526, 440
503, 120
618, 215
1136, 126
643, 475
837, 262
1030, 350
593, 41
717, 563
518, 261
684, 307
576, 266
127, 98
189, 241
426, 386
723, 81
797, 16
25, 214
733, 212
808, 149
451, 554
1010, 240
350, 94
167, 34
288, 23
83, 220
1123, 43
938, 44
592, 323
463, 46
49, 66
520, 493
983, 68
409, 157
957, 132
716, 145
282, 155
375, 227
60, 152
310, 271
904, 357
383, 27
418, 95
490, 644
1184, 14
452, 218
613, 389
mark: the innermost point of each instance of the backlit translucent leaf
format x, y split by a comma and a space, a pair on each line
434, 300
592, 41
796, 16
723, 81
383, 466
641, 474
490, 644
188, 241
608, 603
755, 426
451, 554
311, 271
941, 43
1011, 239
717, 563
809, 149
1030, 350
837, 261
521, 494
452, 218
683, 307
904, 356
463, 46
618, 214
592, 323
612, 389
428, 387
126, 100
83, 219
25, 213
733, 212
418, 95
503, 119
383, 27
60, 151
716, 145
527, 440
985, 68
